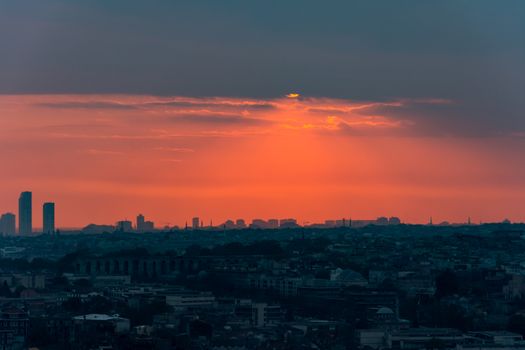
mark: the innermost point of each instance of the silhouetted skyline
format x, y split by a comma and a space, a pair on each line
241, 108
141, 225
259, 174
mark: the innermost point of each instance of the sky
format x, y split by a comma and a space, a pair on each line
263, 109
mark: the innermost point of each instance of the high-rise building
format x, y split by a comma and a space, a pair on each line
195, 223
143, 225
140, 222
8, 224
49, 218
25, 213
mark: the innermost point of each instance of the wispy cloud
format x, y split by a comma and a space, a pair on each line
86, 105
102, 152
211, 119
174, 149
129, 117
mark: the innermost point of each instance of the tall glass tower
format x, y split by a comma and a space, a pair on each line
49, 218
25, 213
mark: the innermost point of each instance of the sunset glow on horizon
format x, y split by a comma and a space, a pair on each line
281, 175
103, 158
226, 110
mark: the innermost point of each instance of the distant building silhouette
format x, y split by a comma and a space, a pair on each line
229, 225
49, 218
240, 223
143, 225
8, 224
140, 222
259, 223
273, 223
288, 223
25, 213
93, 228
124, 226
329, 223
148, 226
195, 223
394, 221
382, 220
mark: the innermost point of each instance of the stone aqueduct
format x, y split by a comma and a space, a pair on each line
153, 266
141, 266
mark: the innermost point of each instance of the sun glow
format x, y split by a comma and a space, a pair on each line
177, 157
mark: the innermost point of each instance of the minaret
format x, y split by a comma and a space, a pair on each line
430, 221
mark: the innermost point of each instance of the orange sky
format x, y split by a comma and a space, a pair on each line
103, 158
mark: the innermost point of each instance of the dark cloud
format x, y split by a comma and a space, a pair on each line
77, 126
457, 118
174, 104
86, 105
471, 52
325, 111
217, 120
218, 104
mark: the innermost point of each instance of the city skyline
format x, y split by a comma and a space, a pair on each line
200, 165
26, 217
264, 112
285, 175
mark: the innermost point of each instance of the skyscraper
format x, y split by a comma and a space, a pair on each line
8, 224
49, 218
25, 213
140, 223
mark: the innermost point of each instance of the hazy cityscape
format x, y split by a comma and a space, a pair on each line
8, 225
267, 284
262, 175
